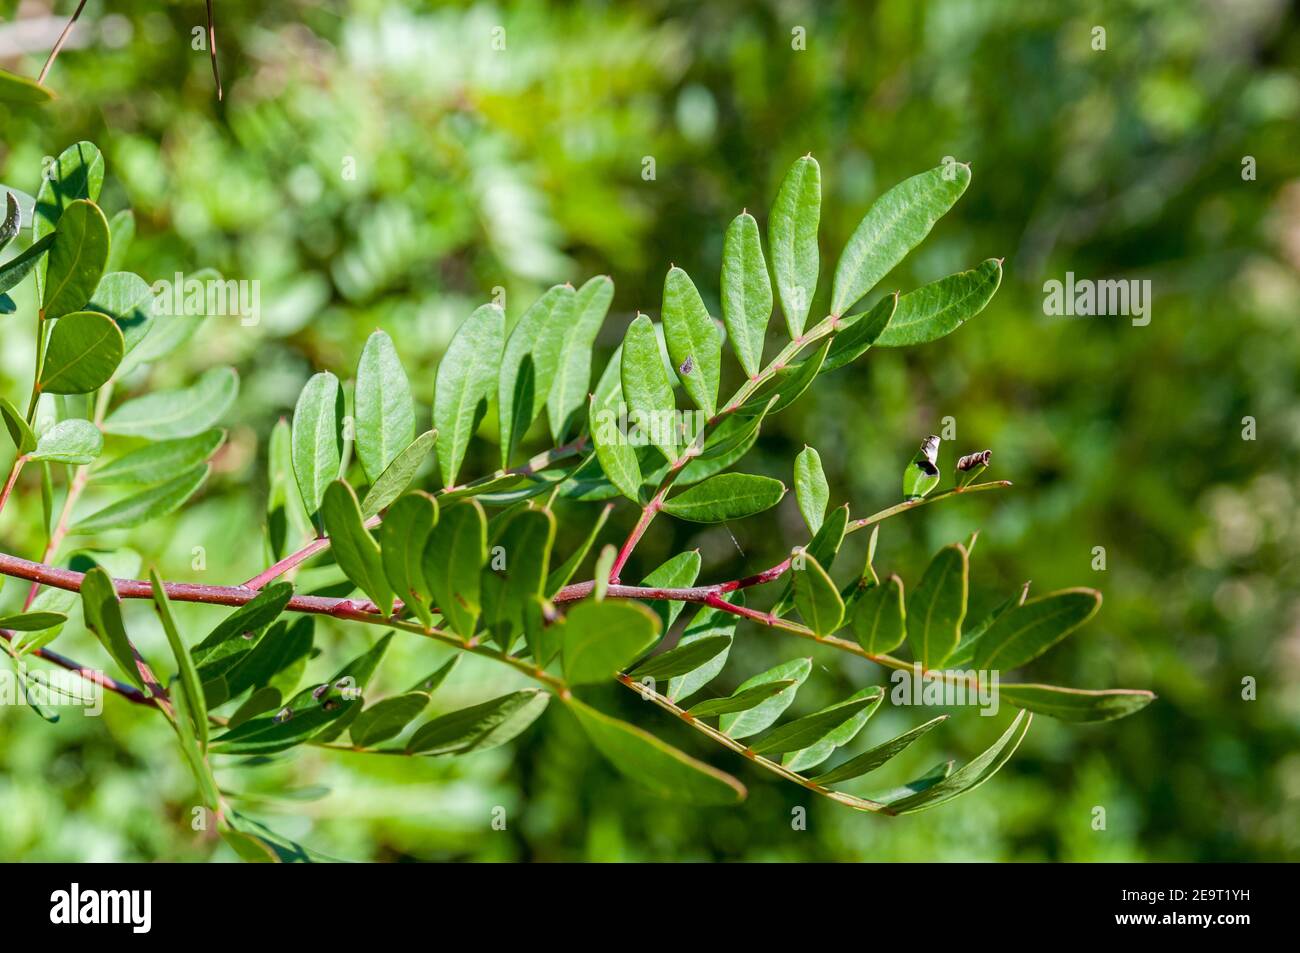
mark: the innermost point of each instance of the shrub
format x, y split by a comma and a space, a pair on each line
471, 564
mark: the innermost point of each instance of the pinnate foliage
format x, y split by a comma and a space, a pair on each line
394, 536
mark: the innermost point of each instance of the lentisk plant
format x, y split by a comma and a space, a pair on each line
471, 563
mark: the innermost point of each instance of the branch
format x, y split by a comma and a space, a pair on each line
58, 44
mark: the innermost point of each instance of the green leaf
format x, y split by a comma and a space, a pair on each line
879, 619
258, 703
75, 442
694, 343
674, 573
21, 434
755, 719
743, 699
399, 473
385, 413
17, 268
225, 645
403, 536
456, 551
156, 462
816, 597
529, 363
936, 607
615, 453
877, 756
83, 352
898, 221
480, 727
19, 89
148, 504
166, 415
128, 300
709, 622
727, 496
187, 673
747, 291
649, 395
524, 546
855, 339
845, 732
32, 621
941, 307
77, 259
355, 550
307, 714
560, 576
466, 381
103, 616
1076, 704
386, 719
663, 769
317, 437
682, 659
600, 638
283, 649
973, 774
810, 488
810, 729
792, 236
1025, 632
78, 173
568, 392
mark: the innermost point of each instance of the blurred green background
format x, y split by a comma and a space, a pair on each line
479, 169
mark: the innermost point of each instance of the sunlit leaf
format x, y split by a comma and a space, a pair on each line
568, 394
466, 381
147, 504
601, 638
792, 236
355, 550
727, 496
658, 766
77, 259
939, 308
746, 292
384, 411
74, 442
897, 222
84, 350
166, 415
317, 437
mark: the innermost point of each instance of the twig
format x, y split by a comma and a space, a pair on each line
58, 44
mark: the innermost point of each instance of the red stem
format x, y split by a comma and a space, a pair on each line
13, 478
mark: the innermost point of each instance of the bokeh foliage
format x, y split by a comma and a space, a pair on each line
478, 169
